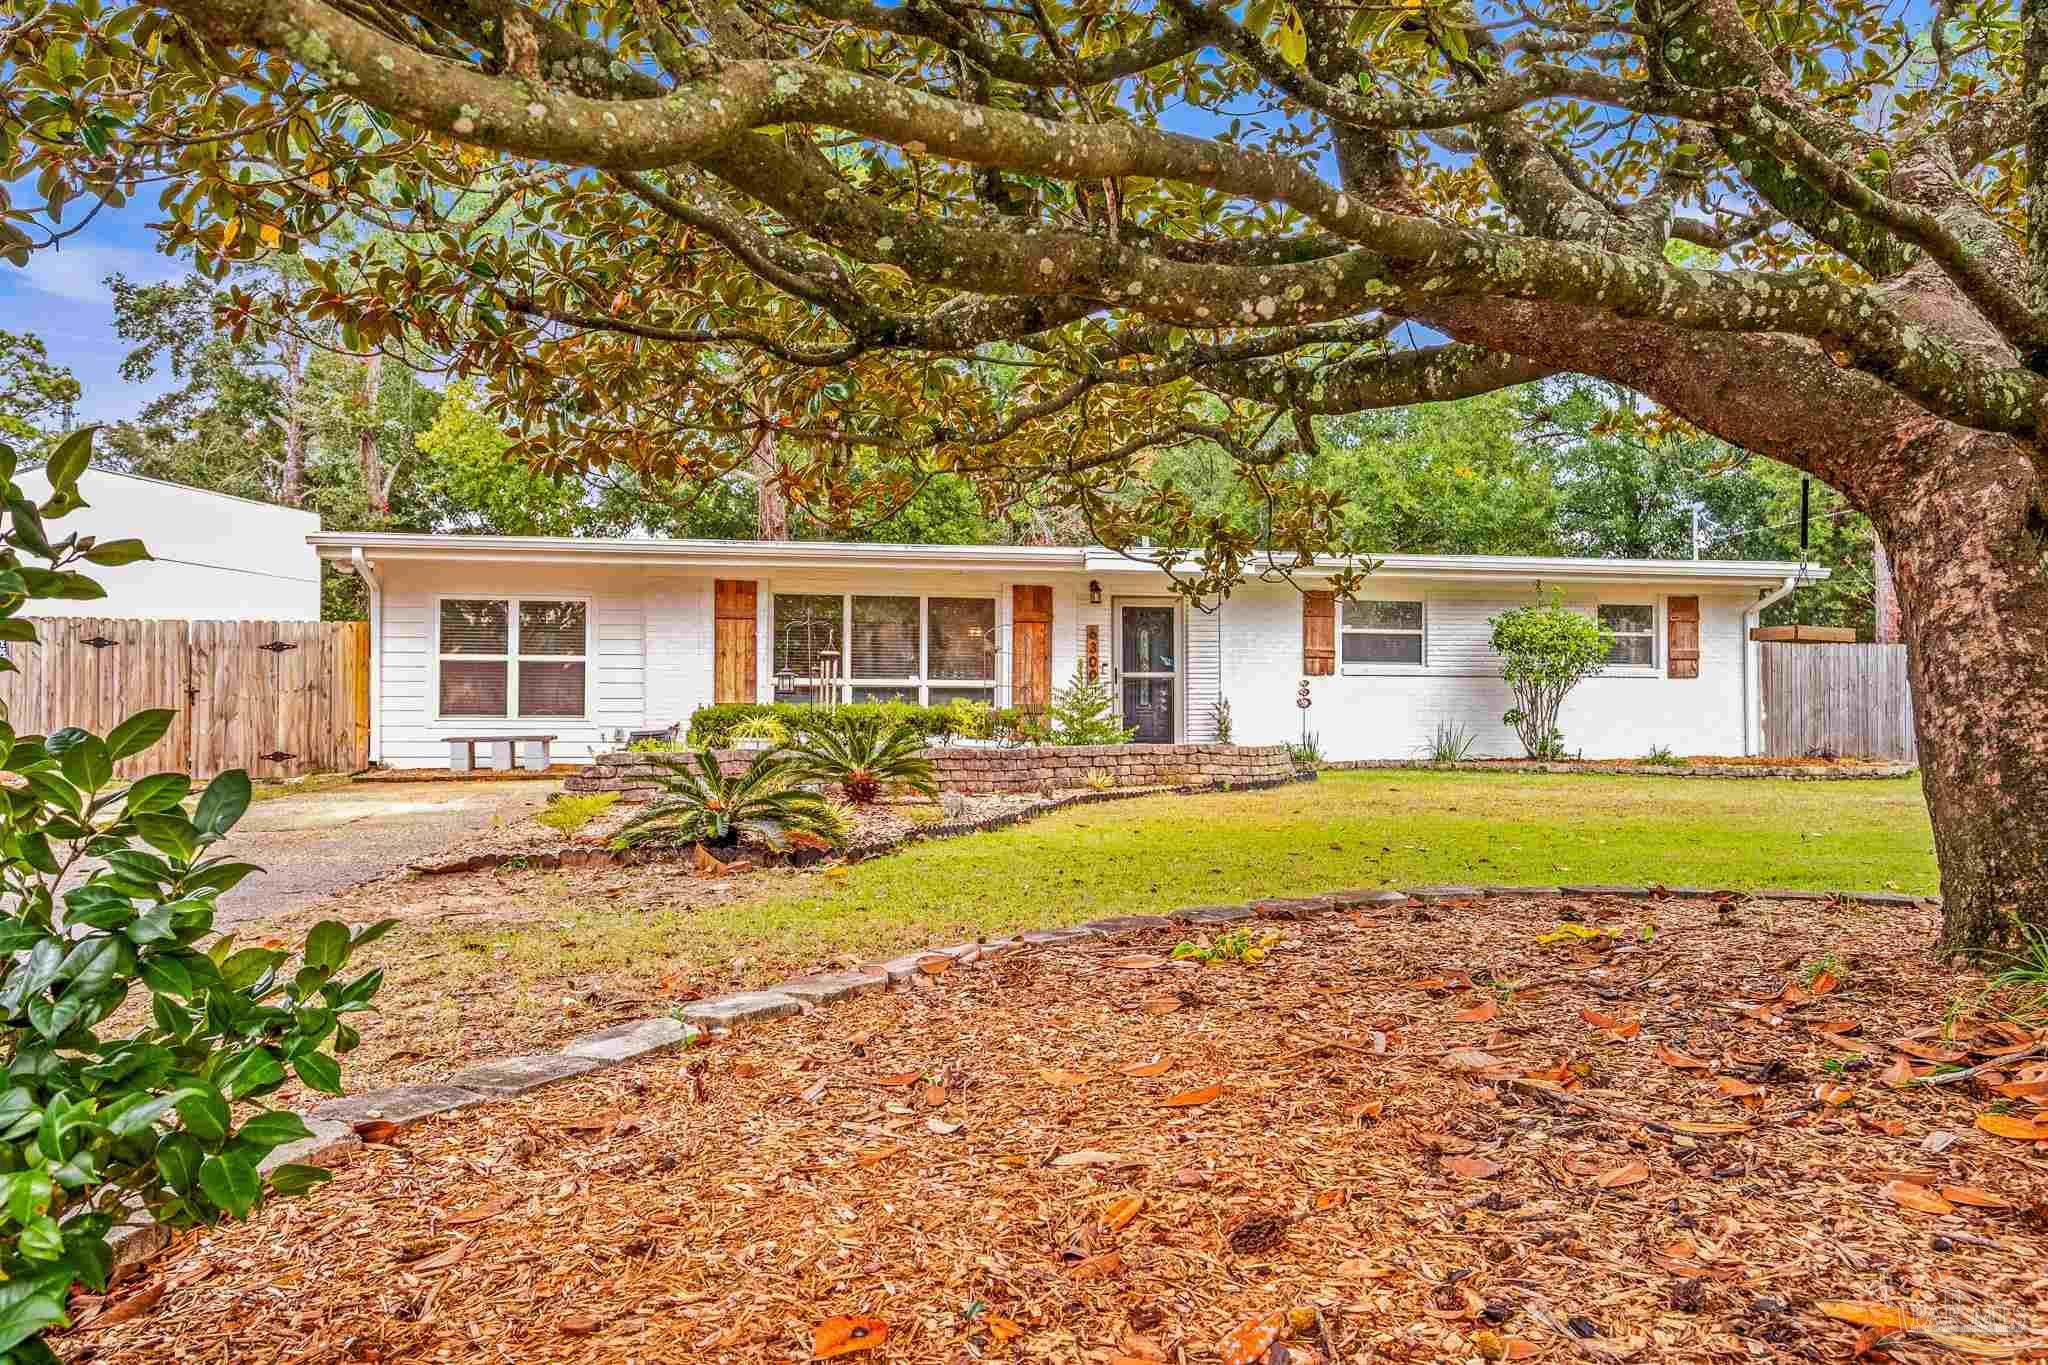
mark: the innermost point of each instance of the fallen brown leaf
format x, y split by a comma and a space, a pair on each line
1096, 1267
1188, 1099
1119, 1214
845, 1335
1917, 1197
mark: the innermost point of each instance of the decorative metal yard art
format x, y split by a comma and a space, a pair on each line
1303, 700
825, 662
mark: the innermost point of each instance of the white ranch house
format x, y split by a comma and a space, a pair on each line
586, 639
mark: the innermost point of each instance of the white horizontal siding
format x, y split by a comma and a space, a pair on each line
1393, 714
412, 735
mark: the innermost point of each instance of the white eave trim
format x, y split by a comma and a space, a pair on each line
1528, 568
1016, 560
702, 554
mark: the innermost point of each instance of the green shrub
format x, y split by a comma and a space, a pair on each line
568, 814
969, 719
863, 754
658, 746
764, 729
1451, 743
700, 804
1545, 651
163, 1123
711, 727
1084, 712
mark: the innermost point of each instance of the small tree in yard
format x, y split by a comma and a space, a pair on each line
159, 1120
1545, 651
1084, 712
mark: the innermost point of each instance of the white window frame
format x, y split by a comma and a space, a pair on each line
514, 657
1361, 669
922, 683
1655, 602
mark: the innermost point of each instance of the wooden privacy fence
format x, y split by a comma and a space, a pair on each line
278, 698
1851, 700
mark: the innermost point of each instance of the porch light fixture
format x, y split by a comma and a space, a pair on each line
1094, 593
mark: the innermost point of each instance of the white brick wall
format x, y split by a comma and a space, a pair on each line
1360, 714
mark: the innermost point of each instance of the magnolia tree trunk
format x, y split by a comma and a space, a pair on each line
1961, 514
1969, 554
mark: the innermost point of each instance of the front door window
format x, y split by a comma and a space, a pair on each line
1146, 664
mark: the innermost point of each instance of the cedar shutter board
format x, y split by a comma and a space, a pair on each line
1682, 621
1031, 645
1318, 634
734, 675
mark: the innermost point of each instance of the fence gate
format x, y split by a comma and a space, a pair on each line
278, 698
1851, 700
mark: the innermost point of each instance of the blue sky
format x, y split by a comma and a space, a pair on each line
60, 297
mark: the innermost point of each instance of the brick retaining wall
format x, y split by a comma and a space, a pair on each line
1045, 768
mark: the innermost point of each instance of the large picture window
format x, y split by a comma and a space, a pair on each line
895, 648
1635, 634
511, 657
1382, 631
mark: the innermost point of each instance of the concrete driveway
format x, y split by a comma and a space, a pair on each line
314, 845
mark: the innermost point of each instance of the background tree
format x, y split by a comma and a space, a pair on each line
36, 397
967, 241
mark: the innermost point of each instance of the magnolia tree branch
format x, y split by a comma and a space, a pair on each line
1401, 258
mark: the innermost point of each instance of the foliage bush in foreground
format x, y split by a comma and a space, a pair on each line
712, 726
163, 1123
701, 805
568, 813
1546, 650
864, 754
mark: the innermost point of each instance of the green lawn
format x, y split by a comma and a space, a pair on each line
1349, 829
530, 942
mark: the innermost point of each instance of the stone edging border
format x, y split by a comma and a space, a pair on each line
334, 1122
1793, 772
592, 855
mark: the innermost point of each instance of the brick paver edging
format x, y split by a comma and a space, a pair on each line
1795, 772
592, 854
333, 1123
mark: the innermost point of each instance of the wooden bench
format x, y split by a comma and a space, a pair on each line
533, 752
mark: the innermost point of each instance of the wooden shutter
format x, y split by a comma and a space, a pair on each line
734, 677
1318, 634
1031, 646
1682, 617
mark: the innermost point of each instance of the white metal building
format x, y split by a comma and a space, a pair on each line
217, 557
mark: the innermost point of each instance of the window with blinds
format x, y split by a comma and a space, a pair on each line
513, 657
890, 648
963, 639
1380, 631
885, 640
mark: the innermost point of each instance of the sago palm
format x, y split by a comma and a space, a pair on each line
702, 804
864, 754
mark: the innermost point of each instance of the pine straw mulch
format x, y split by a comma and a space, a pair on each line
949, 1158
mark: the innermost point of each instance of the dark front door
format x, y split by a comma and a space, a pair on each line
1147, 656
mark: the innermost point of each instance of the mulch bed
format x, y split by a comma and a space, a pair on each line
1652, 1130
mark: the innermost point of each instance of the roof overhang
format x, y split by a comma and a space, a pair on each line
697, 554
1517, 568
340, 548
